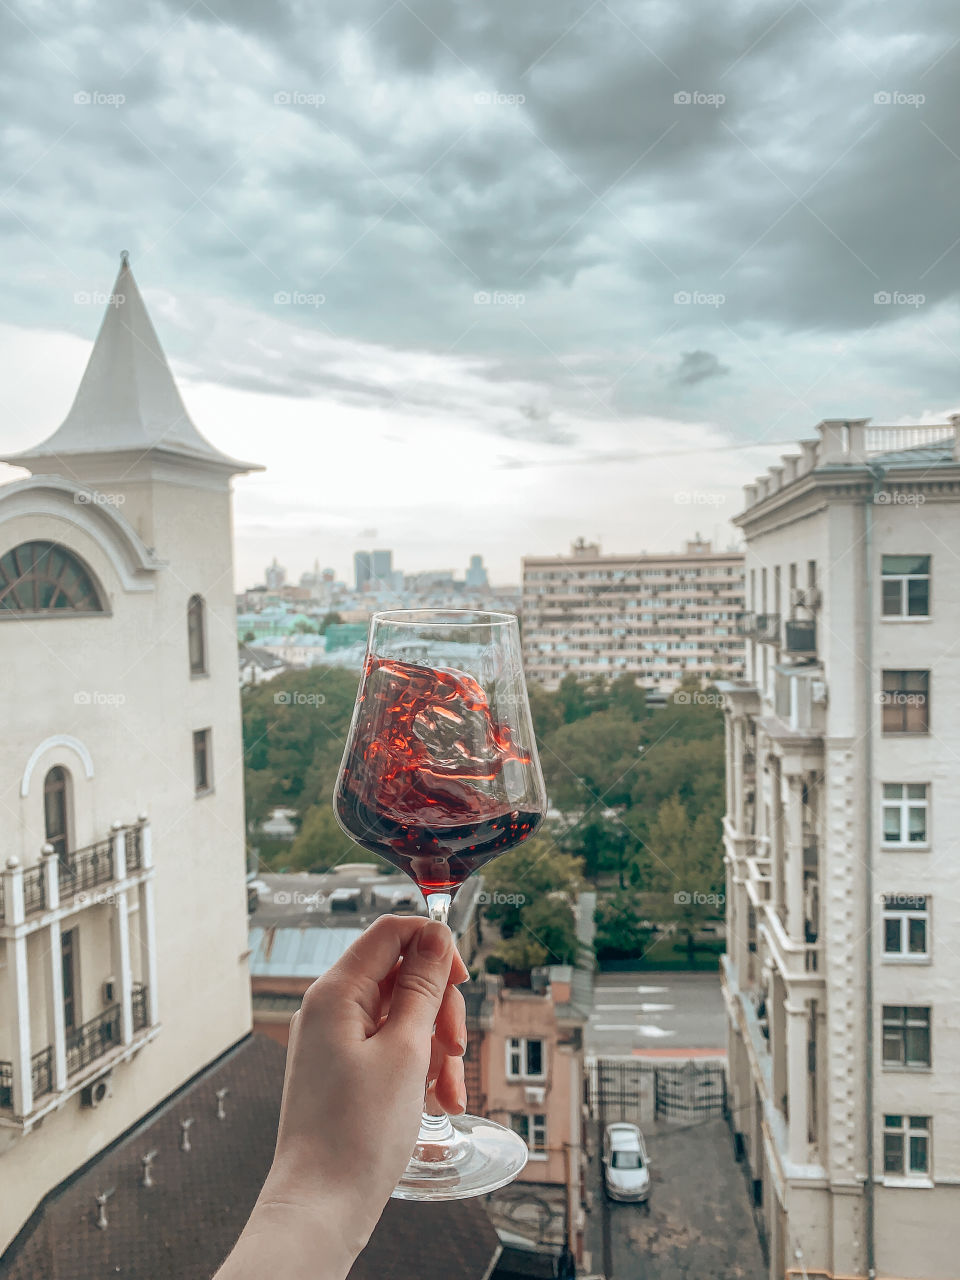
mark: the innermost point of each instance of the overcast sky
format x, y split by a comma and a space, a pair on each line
451, 270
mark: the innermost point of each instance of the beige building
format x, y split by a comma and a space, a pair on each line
842, 981
123, 914
658, 617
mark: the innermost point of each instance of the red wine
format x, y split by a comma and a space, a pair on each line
424, 781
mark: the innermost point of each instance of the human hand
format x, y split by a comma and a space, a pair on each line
369, 1033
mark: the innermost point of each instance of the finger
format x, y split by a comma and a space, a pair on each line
451, 1028
377, 950
354, 981
420, 983
449, 1092
459, 973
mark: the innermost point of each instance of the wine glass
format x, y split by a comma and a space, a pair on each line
440, 774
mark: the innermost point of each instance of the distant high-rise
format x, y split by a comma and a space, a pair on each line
275, 576
476, 573
362, 569
381, 567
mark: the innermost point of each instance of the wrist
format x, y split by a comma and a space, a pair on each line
317, 1218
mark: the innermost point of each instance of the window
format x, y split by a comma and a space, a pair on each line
55, 804
906, 1146
906, 918
905, 702
202, 764
906, 586
905, 813
43, 578
196, 636
906, 1035
532, 1129
525, 1059
68, 963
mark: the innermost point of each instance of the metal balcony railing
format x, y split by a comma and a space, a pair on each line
86, 868
34, 890
746, 624
768, 628
93, 1039
41, 1069
134, 846
6, 1084
800, 636
139, 1006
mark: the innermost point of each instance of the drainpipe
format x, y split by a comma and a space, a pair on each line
876, 474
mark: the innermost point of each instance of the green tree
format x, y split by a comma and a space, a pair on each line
620, 932
330, 617
525, 875
321, 843
248, 637
304, 628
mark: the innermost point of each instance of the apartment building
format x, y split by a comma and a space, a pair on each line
658, 617
842, 981
122, 902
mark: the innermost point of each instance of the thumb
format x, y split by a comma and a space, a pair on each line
420, 983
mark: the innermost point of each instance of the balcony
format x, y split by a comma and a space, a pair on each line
799, 702
746, 624
76, 879
800, 637
85, 1046
768, 628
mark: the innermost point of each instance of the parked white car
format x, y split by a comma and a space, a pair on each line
626, 1169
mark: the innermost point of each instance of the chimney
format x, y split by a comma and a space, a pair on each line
843, 440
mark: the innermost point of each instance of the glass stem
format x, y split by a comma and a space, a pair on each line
435, 1128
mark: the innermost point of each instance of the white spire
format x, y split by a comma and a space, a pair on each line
127, 398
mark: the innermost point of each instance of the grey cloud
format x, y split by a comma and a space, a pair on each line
697, 366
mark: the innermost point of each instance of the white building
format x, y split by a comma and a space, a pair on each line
843, 978
658, 617
123, 911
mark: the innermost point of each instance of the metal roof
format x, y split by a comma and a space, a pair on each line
297, 951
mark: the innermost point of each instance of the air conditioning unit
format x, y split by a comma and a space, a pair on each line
535, 1096
818, 692
109, 991
798, 597
97, 1091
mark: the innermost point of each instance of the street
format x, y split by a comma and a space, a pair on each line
699, 1221
651, 1010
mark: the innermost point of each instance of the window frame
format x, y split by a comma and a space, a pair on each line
903, 804
904, 579
902, 1025
204, 737
901, 678
532, 1128
908, 1128
897, 909
84, 575
518, 1050
197, 635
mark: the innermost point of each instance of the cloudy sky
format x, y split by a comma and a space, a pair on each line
487, 276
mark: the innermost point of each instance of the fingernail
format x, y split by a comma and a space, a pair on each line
462, 1098
433, 939
461, 1042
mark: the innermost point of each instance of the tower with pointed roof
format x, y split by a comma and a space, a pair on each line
122, 898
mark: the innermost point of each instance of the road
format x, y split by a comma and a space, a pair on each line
699, 1223
663, 1011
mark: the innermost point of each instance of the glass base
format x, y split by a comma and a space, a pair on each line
461, 1156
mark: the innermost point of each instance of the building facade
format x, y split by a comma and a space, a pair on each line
658, 617
841, 981
123, 913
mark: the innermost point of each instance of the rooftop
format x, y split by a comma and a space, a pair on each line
187, 1222
127, 398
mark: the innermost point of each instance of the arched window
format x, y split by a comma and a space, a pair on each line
196, 636
45, 578
56, 806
